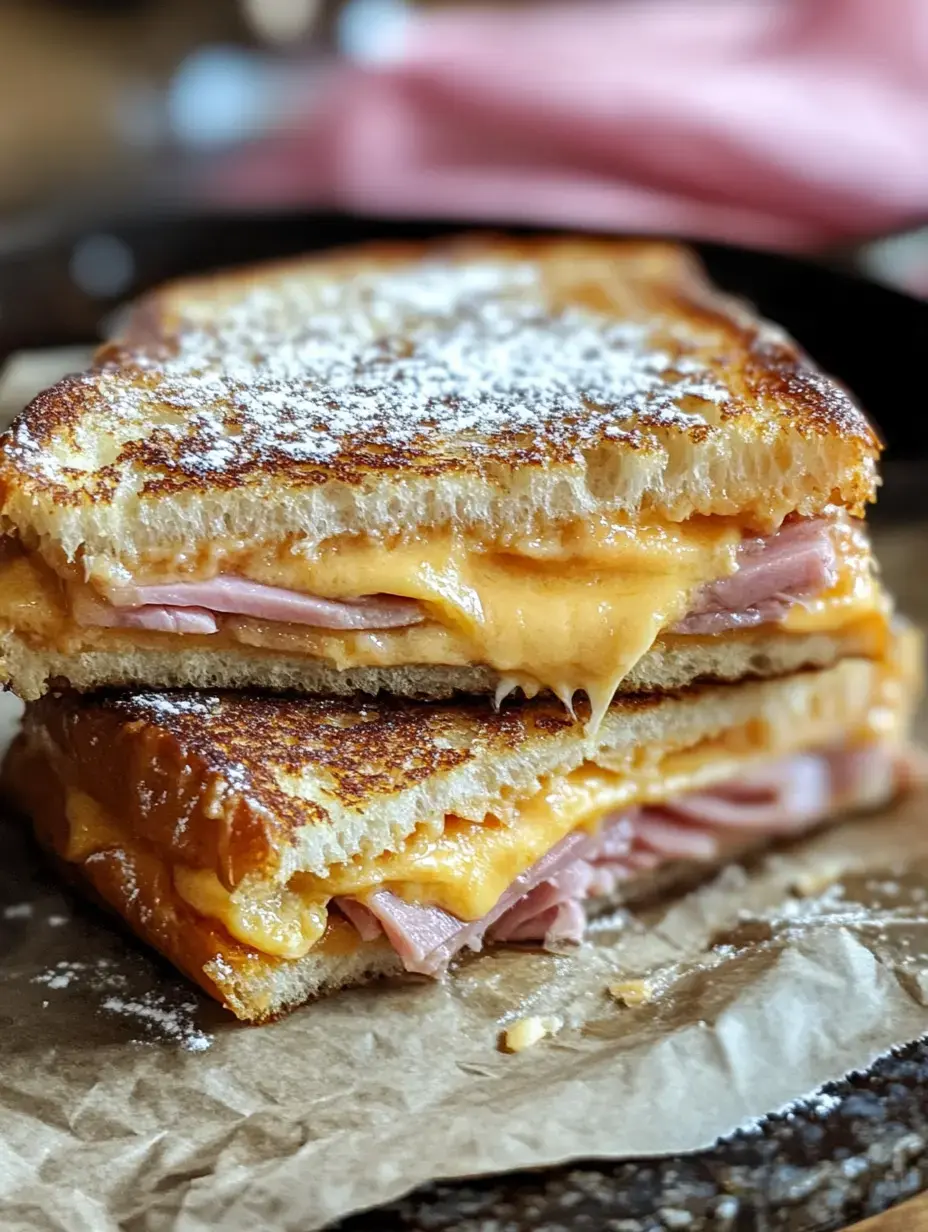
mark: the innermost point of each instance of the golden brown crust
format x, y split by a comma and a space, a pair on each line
136, 883
247, 378
216, 762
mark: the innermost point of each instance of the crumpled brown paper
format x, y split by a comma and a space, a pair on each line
126, 1100
129, 1101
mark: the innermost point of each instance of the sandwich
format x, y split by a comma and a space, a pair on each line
276, 848
489, 466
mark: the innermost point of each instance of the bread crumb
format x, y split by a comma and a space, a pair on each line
526, 1032
632, 992
810, 885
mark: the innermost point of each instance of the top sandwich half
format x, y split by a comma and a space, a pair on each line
481, 464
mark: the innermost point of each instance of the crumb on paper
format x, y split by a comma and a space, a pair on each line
632, 992
18, 911
172, 1023
526, 1032
811, 885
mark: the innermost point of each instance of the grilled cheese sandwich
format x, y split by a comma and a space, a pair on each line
564, 474
275, 847
485, 465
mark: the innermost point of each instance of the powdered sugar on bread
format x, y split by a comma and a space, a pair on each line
497, 383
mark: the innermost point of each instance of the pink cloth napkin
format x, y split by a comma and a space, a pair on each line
789, 124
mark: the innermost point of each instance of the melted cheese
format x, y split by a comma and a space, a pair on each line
278, 921
90, 827
466, 868
569, 616
469, 866
571, 613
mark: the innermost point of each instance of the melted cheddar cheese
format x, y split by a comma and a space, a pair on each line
571, 617
464, 867
571, 613
464, 870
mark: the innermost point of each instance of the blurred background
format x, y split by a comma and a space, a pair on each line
791, 125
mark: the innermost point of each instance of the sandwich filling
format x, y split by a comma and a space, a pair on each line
529, 874
440, 896
571, 615
532, 880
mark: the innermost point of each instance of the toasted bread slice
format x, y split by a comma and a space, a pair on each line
482, 463
228, 829
495, 385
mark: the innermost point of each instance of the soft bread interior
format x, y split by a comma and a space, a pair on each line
670, 664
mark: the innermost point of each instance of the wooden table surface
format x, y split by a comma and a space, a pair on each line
909, 1217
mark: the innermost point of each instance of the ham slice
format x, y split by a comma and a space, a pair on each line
241, 597
428, 938
773, 574
89, 610
546, 903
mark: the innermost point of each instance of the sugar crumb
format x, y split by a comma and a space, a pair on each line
18, 911
812, 885
632, 993
62, 975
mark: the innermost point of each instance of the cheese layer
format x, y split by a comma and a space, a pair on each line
569, 615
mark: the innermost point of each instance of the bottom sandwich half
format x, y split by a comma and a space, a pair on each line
276, 849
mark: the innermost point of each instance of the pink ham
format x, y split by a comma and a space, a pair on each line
766, 800
365, 922
553, 911
773, 575
428, 938
675, 839
241, 597
88, 610
545, 904
564, 920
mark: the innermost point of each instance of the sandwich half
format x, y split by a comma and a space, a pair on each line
276, 849
485, 465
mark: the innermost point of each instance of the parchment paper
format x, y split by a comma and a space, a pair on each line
129, 1101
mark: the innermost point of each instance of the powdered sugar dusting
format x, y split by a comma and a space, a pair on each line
169, 1021
161, 1017
170, 705
434, 362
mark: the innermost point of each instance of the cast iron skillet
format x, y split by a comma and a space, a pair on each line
866, 1145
